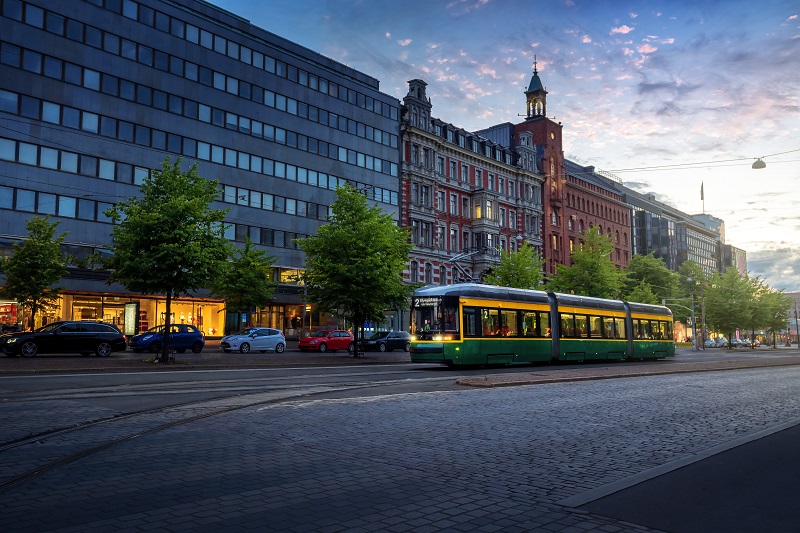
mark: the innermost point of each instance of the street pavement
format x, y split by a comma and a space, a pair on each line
700, 451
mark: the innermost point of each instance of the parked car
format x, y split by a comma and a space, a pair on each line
722, 342
10, 328
322, 341
710, 343
68, 336
182, 337
386, 341
261, 339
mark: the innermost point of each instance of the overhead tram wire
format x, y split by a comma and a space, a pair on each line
702, 164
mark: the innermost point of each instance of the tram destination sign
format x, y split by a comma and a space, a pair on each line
428, 301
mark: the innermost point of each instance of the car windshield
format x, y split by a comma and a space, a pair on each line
155, 329
50, 327
318, 334
379, 335
245, 332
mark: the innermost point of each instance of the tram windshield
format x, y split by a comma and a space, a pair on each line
434, 318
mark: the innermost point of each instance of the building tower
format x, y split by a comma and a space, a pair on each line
546, 135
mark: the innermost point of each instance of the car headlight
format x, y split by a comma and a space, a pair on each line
12, 340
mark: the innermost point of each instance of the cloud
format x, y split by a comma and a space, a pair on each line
778, 264
624, 29
404, 42
646, 49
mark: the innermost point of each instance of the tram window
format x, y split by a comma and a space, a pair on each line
508, 324
608, 327
620, 323
529, 324
567, 325
668, 329
581, 326
544, 324
450, 319
645, 329
595, 327
490, 322
471, 322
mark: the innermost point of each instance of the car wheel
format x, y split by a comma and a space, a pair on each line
28, 349
382, 347
197, 347
244, 348
323, 348
351, 347
155, 347
280, 347
407, 347
103, 349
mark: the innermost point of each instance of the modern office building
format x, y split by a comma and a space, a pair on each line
96, 93
466, 196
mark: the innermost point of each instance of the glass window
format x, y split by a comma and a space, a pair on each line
69, 162
29, 107
52, 67
6, 198
111, 43
26, 200
88, 165
102, 207
106, 170
74, 30
46, 204
86, 209
13, 9
28, 153
10, 54
89, 122
49, 158
8, 149
66, 206
93, 37
91, 79
32, 61
139, 175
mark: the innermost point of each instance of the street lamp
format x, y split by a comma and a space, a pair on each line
759, 163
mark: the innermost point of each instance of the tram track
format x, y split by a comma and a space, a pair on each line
32, 456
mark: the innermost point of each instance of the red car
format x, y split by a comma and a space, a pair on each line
322, 341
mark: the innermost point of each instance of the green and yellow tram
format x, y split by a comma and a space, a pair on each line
474, 324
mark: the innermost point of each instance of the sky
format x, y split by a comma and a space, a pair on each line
667, 95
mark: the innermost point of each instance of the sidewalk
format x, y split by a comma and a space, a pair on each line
212, 357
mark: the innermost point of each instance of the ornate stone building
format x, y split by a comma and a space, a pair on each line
464, 195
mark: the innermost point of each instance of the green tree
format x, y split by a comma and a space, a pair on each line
354, 263
649, 270
169, 241
773, 312
592, 273
36, 265
643, 293
728, 302
521, 269
246, 280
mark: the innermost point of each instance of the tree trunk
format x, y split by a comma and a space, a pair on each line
165, 337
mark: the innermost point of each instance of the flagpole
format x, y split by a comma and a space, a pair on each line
702, 197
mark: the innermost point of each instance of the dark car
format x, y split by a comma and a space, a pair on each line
81, 337
386, 341
182, 337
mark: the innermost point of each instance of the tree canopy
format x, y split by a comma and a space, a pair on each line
521, 269
354, 263
592, 273
36, 265
651, 271
169, 241
245, 281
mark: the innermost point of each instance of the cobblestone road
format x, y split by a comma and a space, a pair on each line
498, 459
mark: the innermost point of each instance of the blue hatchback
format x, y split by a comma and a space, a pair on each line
182, 337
